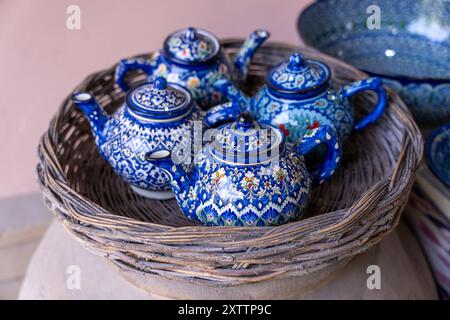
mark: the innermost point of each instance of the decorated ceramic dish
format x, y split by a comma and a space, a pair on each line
407, 42
437, 153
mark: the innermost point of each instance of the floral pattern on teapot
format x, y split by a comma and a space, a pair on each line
299, 96
198, 82
193, 58
249, 176
300, 119
268, 195
127, 141
155, 117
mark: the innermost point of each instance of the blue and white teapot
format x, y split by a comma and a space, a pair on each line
155, 117
298, 97
194, 59
248, 175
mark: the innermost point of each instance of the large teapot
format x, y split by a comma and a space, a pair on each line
248, 175
155, 117
298, 97
194, 59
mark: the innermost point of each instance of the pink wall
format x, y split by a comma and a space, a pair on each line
41, 60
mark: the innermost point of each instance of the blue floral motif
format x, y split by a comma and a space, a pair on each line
128, 141
124, 138
228, 218
252, 195
192, 45
199, 82
271, 215
297, 118
289, 210
249, 218
166, 99
246, 189
298, 74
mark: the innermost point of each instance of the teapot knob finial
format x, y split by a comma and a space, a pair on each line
160, 83
191, 34
245, 120
296, 61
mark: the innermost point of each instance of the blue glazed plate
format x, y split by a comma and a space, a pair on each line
437, 153
409, 46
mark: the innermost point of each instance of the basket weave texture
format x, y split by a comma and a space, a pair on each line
347, 216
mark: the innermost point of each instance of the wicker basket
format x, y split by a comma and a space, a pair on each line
156, 247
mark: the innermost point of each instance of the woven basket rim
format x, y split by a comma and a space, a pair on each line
68, 206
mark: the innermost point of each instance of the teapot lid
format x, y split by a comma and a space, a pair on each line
191, 46
246, 142
298, 76
158, 100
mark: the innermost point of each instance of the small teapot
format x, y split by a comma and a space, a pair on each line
155, 117
248, 175
194, 59
297, 98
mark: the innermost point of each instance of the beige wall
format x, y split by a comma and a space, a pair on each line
41, 60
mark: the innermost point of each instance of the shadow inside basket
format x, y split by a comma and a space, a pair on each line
369, 156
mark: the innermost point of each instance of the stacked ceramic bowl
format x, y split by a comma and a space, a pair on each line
407, 42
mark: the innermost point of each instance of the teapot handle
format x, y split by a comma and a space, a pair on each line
322, 135
221, 114
375, 84
127, 65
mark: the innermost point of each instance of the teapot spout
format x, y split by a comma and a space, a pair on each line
93, 112
180, 181
231, 92
248, 49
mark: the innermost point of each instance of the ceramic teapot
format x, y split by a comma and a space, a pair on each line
194, 59
248, 175
299, 97
155, 116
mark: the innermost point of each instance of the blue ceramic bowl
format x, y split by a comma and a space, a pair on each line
437, 153
410, 49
